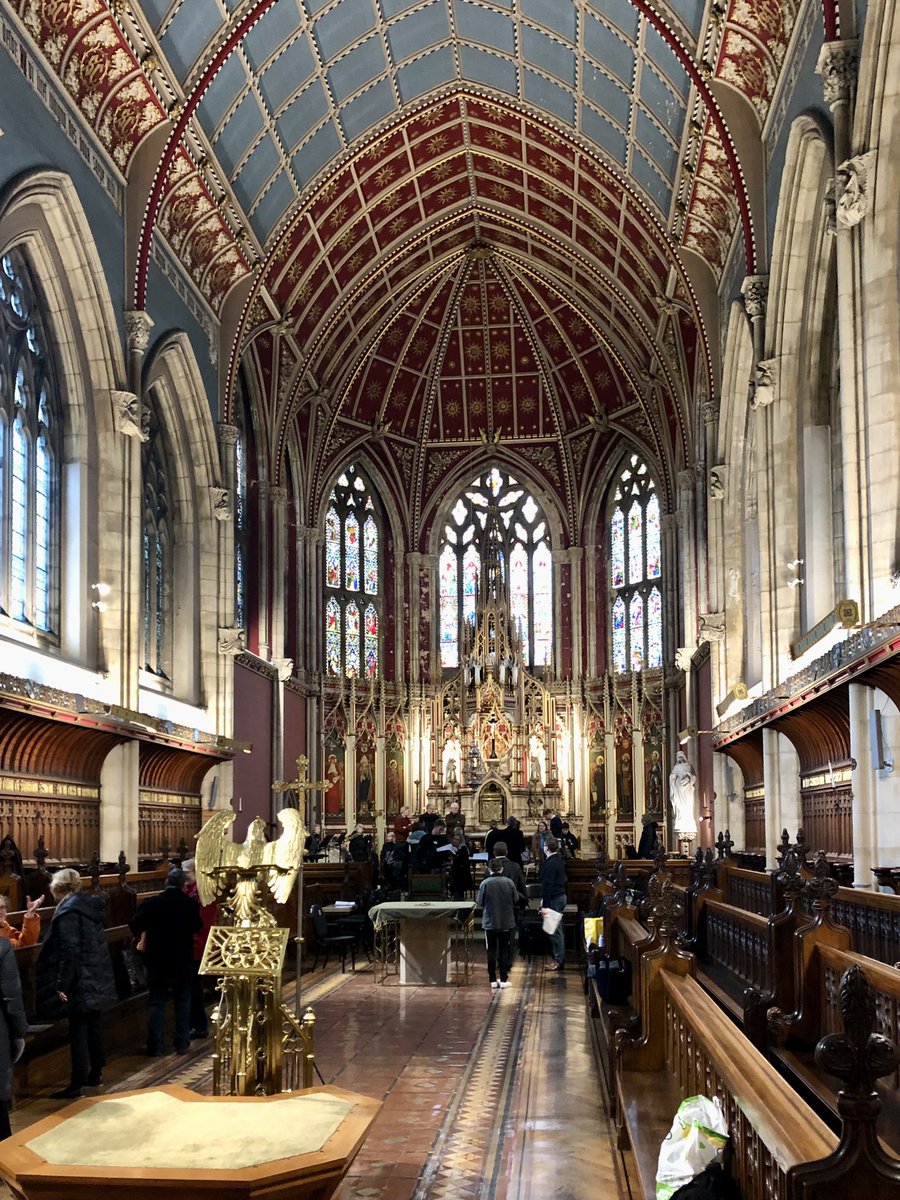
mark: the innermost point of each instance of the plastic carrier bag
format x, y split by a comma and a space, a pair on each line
697, 1137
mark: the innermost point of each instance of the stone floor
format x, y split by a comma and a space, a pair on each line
487, 1094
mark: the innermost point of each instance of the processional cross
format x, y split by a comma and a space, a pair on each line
301, 785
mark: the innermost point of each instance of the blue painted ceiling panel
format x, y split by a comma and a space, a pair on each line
320, 149
336, 30
426, 73
356, 69
234, 140
287, 75
657, 146
608, 48
256, 172
491, 29
605, 94
665, 59
230, 82
691, 12
561, 18
426, 28
273, 206
481, 67
278, 26
662, 101
620, 13
549, 55
606, 135
559, 101
302, 115
652, 182
360, 114
191, 29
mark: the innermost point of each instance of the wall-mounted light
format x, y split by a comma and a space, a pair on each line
738, 692
792, 566
685, 735
102, 590
794, 583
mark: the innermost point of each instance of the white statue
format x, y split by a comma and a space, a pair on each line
450, 760
536, 755
682, 789
450, 779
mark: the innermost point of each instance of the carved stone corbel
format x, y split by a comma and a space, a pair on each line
718, 482
220, 499
129, 415
712, 627
764, 383
284, 668
854, 202
231, 640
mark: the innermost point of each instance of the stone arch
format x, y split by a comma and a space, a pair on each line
41, 212
172, 382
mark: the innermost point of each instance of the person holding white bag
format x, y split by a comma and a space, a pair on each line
553, 899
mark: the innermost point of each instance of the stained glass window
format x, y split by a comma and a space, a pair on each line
521, 550
635, 552
449, 626
157, 543
333, 637
332, 549
29, 453
352, 575
351, 554
371, 641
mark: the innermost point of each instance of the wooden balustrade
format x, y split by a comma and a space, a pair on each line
162, 824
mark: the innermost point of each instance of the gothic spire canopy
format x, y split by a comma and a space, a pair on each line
460, 222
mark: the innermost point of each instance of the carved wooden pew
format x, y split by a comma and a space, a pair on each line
822, 955
779, 1148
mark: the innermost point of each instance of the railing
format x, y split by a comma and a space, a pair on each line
738, 941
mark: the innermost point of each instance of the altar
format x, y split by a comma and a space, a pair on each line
294, 1146
426, 942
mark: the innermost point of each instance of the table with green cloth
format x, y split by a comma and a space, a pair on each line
425, 936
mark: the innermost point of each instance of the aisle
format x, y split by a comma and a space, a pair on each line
487, 1094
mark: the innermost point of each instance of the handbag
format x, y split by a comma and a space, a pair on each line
613, 976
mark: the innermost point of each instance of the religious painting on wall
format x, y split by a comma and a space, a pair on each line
393, 775
625, 778
365, 777
334, 774
653, 780
597, 774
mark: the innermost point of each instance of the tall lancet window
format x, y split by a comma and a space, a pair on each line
635, 570
157, 547
524, 559
353, 584
29, 454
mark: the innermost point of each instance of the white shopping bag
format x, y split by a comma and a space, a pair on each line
551, 919
697, 1138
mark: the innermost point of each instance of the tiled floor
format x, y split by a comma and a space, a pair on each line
486, 1093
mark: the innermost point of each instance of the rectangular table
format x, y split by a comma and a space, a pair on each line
425, 943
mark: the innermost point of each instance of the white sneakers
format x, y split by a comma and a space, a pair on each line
494, 983
504, 983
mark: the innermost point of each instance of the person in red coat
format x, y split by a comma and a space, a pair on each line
209, 915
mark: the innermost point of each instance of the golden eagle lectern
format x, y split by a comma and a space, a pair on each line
261, 1048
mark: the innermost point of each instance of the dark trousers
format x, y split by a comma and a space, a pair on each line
180, 988
198, 1009
5, 1127
86, 1047
499, 946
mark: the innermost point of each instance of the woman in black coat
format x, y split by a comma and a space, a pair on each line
75, 977
13, 1025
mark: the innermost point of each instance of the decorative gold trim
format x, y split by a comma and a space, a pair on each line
185, 800
19, 785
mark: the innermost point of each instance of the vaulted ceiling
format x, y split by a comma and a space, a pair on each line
450, 223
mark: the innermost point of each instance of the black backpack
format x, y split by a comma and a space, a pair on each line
713, 1183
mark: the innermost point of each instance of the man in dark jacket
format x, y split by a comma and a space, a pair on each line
515, 840
512, 871
13, 1027
75, 977
497, 901
553, 896
169, 921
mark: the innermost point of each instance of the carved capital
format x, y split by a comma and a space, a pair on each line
764, 383
137, 330
755, 290
220, 498
129, 415
712, 626
710, 412
718, 482
855, 189
839, 67
228, 434
685, 480
278, 495
284, 668
683, 656
668, 522
231, 640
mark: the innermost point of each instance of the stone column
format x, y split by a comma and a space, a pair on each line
261, 537
350, 781
576, 631
687, 549
781, 778
839, 65
310, 637
413, 565
119, 803
379, 779
228, 439
865, 787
